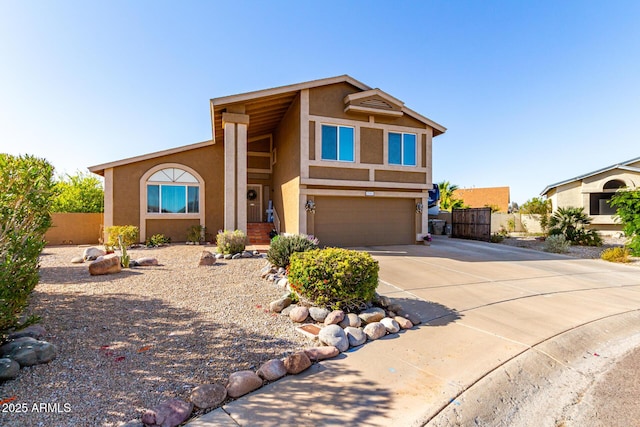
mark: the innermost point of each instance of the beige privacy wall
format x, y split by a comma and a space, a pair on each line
75, 229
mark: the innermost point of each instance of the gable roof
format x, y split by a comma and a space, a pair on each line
622, 166
267, 107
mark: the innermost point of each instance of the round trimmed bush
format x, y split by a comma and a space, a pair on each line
334, 278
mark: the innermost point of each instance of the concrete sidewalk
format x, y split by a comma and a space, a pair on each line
484, 307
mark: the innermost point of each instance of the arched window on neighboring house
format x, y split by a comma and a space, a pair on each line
171, 191
599, 202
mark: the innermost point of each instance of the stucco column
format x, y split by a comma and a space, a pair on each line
425, 215
229, 176
241, 178
108, 205
235, 170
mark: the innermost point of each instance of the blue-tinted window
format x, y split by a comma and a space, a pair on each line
153, 198
173, 199
395, 148
338, 143
193, 202
402, 149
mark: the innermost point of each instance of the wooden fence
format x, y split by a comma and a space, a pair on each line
473, 223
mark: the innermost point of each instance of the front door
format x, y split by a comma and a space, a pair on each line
254, 203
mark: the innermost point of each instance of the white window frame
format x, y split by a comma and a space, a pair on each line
173, 184
337, 159
402, 160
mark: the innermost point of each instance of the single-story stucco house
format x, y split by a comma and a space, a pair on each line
332, 157
592, 191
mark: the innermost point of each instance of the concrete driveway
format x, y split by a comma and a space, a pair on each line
499, 323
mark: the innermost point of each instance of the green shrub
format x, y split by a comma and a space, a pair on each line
627, 204
497, 238
195, 234
616, 254
556, 244
231, 242
572, 224
129, 235
26, 193
334, 278
282, 247
157, 240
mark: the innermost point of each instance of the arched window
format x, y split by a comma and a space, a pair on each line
614, 184
173, 191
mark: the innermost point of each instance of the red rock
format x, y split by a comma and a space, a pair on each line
335, 317
321, 353
243, 382
297, 362
109, 264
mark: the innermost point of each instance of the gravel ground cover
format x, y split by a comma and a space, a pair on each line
130, 340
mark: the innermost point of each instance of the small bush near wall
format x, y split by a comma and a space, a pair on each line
231, 242
129, 235
616, 254
282, 247
334, 278
556, 244
157, 240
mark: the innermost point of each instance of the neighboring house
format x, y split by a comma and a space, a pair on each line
335, 158
481, 197
593, 190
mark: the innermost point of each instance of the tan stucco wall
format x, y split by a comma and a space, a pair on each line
74, 229
339, 173
568, 195
255, 162
595, 184
177, 229
286, 171
371, 146
312, 140
401, 121
261, 145
329, 101
207, 161
402, 177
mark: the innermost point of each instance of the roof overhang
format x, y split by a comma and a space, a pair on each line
622, 166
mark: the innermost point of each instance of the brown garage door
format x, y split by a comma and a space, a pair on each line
362, 221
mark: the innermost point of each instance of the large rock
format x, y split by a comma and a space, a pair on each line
146, 261
297, 362
391, 325
334, 317
403, 322
374, 314
383, 300
272, 370
322, 353
283, 283
92, 253
410, 315
334, 335
243, 382
375, 330
208, 395
77, 260
169, 413
356, 336
133, 423
33, 331
28, 351
299, 314
107, 265
318, 313
9, 369
350, 319
278, 305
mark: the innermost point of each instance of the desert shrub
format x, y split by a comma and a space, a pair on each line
616, 254
627, 204
231, 242
195, 233
497, 238
157, 240
556, 244
26, 193
334, 278
572, 223
129, 235
282, 247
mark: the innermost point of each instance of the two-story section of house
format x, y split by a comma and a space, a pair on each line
333, 158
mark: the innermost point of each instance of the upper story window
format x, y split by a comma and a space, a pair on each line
173, 190
402, 149
337, 143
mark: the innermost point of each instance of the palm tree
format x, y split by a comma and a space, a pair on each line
447, 202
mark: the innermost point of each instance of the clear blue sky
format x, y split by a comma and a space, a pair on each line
531, 92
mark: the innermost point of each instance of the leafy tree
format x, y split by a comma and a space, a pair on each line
447, 201
627, 203
572, 224
494, 208
26, 190
538, 206
78, 193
